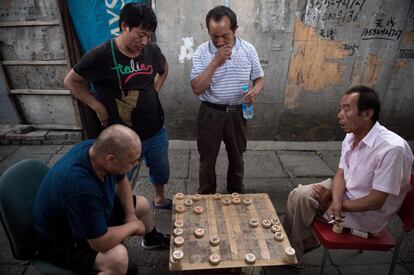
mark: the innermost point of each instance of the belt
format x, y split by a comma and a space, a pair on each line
222, 107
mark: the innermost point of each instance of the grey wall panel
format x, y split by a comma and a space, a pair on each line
32, 43
28, 10
181, 29
36, 77
48, 109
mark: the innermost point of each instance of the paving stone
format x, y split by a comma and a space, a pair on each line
14, 136
36, 135
12, 269
377, 269
38, 149
22, 129
257, 164
145, 188
6, 150
65, 149
179, 165
4, 141
306, 181
331, 158
54, 159
304, 164
56, 135
31, 142
14, 158
6, 255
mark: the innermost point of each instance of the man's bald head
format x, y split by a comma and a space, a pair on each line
116, 139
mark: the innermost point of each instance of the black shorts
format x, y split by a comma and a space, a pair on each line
76, 255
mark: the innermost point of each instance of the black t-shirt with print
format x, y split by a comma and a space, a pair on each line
104, 68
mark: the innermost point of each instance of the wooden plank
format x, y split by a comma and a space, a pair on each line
32, 43
34, 62
24, 10
48, 109
54, 127
231, 224
29, 23
43, 77
39, 92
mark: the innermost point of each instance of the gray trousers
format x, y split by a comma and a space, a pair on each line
301, 209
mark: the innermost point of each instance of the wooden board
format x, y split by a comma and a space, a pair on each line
231, 224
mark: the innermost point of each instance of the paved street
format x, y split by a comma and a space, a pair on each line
272, 167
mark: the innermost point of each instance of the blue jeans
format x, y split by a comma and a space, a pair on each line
155, 156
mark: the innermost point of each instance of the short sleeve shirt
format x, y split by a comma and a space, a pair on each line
227, 81
381, 161
72, 203
127, 85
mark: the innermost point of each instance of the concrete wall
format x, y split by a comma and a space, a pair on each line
311, 52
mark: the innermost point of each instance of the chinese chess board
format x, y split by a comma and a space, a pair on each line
231, 223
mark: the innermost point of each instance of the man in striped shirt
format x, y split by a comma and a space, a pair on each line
221, 66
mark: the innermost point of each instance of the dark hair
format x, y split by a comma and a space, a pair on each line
368, 99
138, 15
218, 12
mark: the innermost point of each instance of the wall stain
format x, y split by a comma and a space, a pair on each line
314, 65
367, 72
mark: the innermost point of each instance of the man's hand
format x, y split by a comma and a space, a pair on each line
323, 195
334, 211
103, 115
250, 97
223, 53
138, 225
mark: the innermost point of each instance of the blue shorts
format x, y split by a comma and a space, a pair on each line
155, 156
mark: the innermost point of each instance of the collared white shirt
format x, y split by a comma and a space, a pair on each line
381, 161
227, 81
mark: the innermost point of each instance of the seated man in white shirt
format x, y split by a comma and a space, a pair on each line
370, 184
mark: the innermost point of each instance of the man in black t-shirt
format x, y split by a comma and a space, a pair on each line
128, 72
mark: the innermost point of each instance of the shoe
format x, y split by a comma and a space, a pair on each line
167, 206
162, 241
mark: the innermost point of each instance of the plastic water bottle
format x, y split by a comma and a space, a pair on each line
248, 109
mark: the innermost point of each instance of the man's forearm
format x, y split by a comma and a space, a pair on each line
338, 186
78, 89
114, 236
373, 201
160, 78
124, 193
201, 83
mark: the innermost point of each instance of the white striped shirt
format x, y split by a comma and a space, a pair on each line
227, 81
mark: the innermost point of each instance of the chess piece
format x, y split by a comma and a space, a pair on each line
236, 201
276, 228
197, 197
214, 259
279, 236
178, 231
179, 209
178, 223
179, 196
199, 232
250, 258
198, 210
289, 256
253, 223
217, 196
337, 227
188, 202
179, 241
247, 201
266, 224
214, 241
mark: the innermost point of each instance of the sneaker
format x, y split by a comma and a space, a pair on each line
161, 242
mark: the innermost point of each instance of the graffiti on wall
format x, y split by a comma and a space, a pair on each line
383, 29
